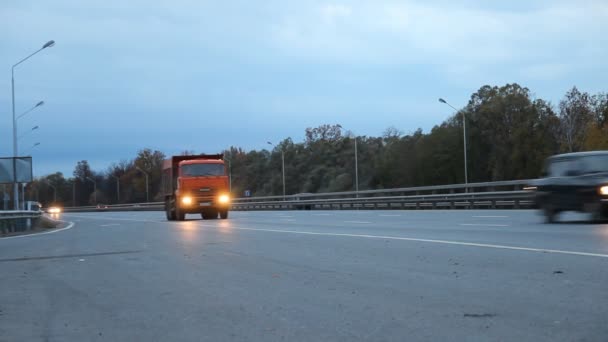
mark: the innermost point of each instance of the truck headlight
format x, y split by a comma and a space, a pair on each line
223, 199
187, 200
604, 190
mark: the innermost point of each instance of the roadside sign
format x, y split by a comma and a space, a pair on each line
22, 166
247, 193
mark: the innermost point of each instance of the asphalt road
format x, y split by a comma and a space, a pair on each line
308, 276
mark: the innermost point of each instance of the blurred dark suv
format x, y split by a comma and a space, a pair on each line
574, 182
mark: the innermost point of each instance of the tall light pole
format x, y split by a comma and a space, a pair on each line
356, 168
117, 188
15, 147
54, 191
74, 193
94, 189
146, 174
229, 173
282, 167
464, 139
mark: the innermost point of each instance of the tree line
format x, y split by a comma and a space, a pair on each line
509, 134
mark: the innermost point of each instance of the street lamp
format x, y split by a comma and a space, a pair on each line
282, 167
50, 43
28, 132
31, 109
146, 174
464, 139
117, 188
94, 189
32, 147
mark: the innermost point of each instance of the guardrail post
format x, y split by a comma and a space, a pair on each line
516, 204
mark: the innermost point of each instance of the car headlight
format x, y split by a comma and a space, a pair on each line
223, 199
604, 190
187, 200
54, 210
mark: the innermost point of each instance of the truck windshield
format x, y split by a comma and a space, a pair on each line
193, 170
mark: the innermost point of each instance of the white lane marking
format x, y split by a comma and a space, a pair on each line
484, 225
359, 222
70, 225
287, 220
445, 242
491, 216
109, 225
117, 219
389, 215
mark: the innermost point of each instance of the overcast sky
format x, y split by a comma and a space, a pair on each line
203, 75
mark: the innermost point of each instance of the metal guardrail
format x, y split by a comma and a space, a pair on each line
17, 221
505, 194
505, 199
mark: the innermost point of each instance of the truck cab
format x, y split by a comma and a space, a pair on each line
196, 185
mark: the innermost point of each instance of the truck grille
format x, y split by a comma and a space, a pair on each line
206, 192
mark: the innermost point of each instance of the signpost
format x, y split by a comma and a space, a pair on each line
5, 197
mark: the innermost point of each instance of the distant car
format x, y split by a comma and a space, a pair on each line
102, 207
574, 182
53, 210
32, 206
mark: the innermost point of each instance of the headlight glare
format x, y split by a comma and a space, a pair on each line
54, 210
604, 190
187, 200
224, 199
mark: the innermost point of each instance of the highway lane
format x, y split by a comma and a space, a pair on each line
486, 275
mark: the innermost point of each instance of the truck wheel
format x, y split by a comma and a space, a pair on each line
179, 215
170, 213
224, 214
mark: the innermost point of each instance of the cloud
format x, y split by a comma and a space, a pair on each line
425, 32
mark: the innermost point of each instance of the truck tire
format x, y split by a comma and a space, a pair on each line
179, 215
170, 213
224, 214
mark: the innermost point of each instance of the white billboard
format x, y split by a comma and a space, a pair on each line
22, 166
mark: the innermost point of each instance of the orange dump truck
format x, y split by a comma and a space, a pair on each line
196, 185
